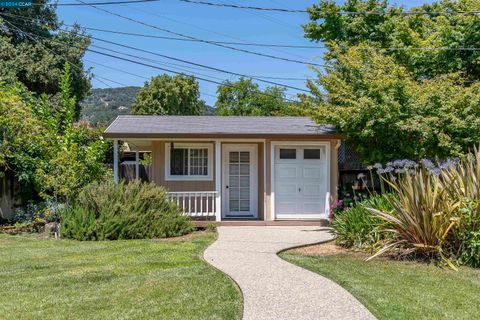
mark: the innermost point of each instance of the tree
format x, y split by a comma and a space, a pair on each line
405, 34
397, 103
30, 40
79, 154
245, 98
167, 95
40, 145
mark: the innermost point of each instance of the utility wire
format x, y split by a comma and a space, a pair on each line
258, 44
156, 61
56, 54
97, 77
190, 40
201, 40
200, 65
135, 75
31, 36
235, 6
185, 61
153, 13
169, 70
281, 45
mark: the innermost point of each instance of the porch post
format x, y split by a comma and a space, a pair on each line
218, 181
137, 165
115, 161
265, 180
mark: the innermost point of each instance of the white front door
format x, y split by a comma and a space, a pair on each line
239, 181
301, 181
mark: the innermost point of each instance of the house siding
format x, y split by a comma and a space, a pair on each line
264, 194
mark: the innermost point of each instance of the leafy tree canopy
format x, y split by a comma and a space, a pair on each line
398, 103
245, 98
43, 148
403, 33
33, 50
169, 95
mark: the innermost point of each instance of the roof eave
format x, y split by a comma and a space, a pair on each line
126, 136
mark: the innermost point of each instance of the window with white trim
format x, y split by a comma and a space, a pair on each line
188, 161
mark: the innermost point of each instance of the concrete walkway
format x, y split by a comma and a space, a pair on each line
273, 288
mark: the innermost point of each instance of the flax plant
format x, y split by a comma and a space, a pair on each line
422, 218
462, 182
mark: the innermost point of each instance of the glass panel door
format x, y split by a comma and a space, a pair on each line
239, 181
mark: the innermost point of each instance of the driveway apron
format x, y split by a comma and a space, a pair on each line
273, 288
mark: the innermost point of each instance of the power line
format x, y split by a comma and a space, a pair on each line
166, 70
142, 63
97, 77
182, 67
135, 75
199, 65
235, 6
202, 40
215, 41
153, 13
155, 61
281, 45
56, 54
97, 3
100, 80
260, 44
185, 61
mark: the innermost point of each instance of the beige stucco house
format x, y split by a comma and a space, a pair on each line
238, 170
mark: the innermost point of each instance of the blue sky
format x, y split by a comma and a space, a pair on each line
205, 22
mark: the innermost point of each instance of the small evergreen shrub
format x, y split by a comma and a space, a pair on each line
109, 211
467, 234
357, 226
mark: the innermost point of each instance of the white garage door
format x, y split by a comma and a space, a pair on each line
301, 181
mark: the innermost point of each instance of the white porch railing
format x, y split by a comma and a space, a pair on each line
196, 203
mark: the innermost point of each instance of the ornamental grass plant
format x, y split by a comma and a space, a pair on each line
435, 214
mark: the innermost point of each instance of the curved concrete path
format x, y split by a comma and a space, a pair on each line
273, 288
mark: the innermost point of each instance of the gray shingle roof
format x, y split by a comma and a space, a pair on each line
132, 126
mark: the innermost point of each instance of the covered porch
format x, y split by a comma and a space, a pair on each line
232, 190
219, 175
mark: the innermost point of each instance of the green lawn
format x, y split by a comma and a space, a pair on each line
133, 279
400, 290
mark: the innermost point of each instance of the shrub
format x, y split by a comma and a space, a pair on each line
357, 226
462, 183
422, 218
468, 235
109, 211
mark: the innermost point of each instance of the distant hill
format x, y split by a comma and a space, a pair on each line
104, 105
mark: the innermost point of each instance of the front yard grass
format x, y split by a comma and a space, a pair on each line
131, 279
399, 289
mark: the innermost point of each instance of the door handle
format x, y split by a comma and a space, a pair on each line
226, 187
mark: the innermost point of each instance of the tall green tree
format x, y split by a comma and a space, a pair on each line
34, 49
169, 95
406, 36
245, 98
42, 147
405, 101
